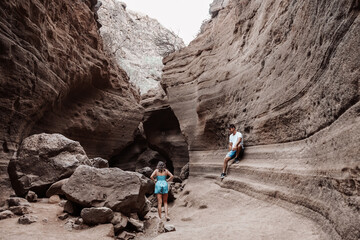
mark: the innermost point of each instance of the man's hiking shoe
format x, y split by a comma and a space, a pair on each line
236, 160
222, 175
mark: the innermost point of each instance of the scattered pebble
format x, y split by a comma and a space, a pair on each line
27, 219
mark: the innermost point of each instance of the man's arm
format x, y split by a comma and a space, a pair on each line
238, 143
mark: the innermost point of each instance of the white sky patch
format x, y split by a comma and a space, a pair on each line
183, 17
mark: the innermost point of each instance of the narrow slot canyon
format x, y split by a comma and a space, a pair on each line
95, 97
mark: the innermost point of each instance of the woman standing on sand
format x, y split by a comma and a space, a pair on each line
161, 186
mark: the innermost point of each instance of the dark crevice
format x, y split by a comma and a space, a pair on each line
5, 147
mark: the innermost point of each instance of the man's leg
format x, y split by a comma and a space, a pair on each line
226, 160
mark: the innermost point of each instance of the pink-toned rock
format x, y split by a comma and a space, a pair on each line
56, 78
287, 75
54, 199
106, 187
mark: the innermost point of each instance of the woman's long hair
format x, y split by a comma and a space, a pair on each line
161, 166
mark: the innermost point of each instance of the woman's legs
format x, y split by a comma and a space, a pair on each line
159, 199
165, 198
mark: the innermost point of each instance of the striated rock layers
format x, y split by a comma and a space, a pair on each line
137, 42
55, 77
287, 74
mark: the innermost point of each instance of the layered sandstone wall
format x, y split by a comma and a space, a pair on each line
55, 77
286, 73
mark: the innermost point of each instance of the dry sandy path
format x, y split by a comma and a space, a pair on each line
211, 212
50, 229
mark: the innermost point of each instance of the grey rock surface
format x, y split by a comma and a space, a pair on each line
99, 162
31, 196
17, 201
97, 215
106, 187
20, 210
137, 42
216, 6
169, 228
42, 160
146, 171
27, 219
137, 224
119, 221
55, 188
6, 214
184, 174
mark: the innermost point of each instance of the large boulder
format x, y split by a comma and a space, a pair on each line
114, 188
42, 160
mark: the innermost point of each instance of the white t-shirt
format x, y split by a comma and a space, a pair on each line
234, 138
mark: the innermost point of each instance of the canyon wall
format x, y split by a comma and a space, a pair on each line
137, 42
56, 78
286, 73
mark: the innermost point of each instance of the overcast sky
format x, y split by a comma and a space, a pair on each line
183, 17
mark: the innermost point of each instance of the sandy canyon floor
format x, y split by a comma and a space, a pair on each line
203, 210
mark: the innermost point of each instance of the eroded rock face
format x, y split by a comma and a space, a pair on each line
42, 160
56, 78
106, 187
137, 42
286, 74
235, 71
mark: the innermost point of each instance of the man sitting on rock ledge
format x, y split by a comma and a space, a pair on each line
236, 147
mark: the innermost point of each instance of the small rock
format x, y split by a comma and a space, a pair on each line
45, 220
153, 209
146, 171
69, 224
20, 210
27, 219
119, 221
63, 216
62, 203
17, 201
161, 228
169, 228
79, 221
77, 227
6, 214
31, 196
134, 216
55, 188
54, 199
126, 235
177, 185
3, 208
71, 208
99, 162
97, 215
138, 225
